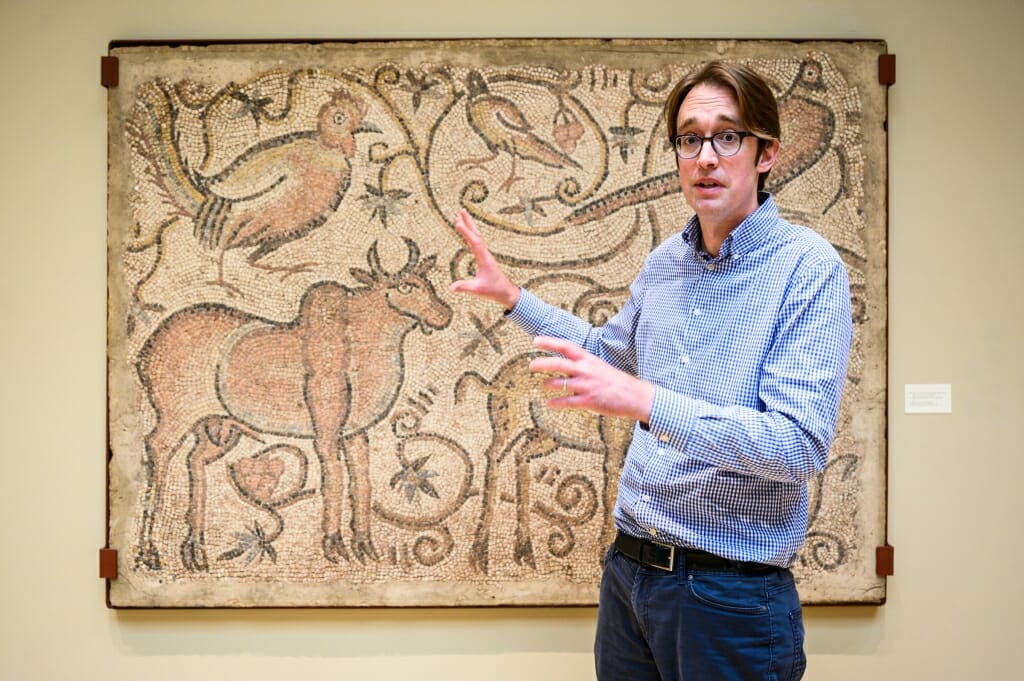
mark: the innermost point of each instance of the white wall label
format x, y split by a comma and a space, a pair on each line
928, 398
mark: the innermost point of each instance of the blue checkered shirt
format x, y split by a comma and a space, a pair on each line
747, 352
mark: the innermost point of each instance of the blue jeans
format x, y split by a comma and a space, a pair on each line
697, 625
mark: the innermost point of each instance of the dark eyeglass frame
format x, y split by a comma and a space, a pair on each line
715, 141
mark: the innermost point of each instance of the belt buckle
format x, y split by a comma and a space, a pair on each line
671, 557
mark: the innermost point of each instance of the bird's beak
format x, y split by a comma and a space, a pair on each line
366, 127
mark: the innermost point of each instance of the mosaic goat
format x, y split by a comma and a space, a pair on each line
524, 428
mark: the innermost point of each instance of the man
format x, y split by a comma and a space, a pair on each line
731, 355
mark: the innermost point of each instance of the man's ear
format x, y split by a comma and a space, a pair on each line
769, 154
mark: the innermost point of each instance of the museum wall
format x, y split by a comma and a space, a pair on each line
954, 606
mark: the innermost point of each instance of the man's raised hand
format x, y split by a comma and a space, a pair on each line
489, 281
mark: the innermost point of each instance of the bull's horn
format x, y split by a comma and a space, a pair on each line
373, 260
414, 254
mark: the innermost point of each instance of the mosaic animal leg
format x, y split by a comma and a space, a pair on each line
536, 444
480, 549
479, 555
327, 443
330, 490
357, 460
160, 446
284, 270
512, 177
230, 289
215, 437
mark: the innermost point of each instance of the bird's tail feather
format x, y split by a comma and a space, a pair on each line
209, 222
153, 134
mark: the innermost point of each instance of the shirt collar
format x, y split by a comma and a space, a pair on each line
745, 237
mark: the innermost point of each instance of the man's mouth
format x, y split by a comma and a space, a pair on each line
707, 184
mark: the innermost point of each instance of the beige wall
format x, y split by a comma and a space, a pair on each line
956, 604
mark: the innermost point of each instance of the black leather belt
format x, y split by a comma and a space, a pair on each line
668, 558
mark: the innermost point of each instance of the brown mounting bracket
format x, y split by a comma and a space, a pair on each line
887, 69
109, 71
108, 563
885, 558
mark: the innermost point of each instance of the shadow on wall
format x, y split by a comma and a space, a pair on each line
844, 630
353, 632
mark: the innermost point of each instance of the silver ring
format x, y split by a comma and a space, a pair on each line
565, 381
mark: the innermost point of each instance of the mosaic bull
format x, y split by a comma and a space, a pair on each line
213, 374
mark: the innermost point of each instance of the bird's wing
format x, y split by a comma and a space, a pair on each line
509, 115
257, 172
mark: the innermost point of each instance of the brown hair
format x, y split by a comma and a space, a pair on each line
758, 109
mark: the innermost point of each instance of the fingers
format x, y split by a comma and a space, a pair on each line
585, 381
463, 286
559, 385
567, 364
466, 220
469, 232
553, 365
563, 347
467, 228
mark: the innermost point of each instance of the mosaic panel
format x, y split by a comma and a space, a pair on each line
300, 415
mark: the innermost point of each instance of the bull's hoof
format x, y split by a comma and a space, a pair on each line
148, 556
478, 554
334, 548
193, 553
523, 553
362, 547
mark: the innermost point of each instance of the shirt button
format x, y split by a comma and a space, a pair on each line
647, 497
654, 532
685, 359
696, 312
711, 267
663, 437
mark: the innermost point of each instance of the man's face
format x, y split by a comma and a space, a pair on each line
722, 190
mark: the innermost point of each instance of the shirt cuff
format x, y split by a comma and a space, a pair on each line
672, 417
529, 313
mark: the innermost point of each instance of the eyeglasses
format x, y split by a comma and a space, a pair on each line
726, 143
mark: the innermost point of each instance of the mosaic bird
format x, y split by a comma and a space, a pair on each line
275, 192
504, 128
808, 126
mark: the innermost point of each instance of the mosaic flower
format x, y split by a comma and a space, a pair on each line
623, 137
414, 478
253, 544
255, 106
420, 87
384, 202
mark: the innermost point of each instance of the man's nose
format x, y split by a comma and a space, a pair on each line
707, 156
